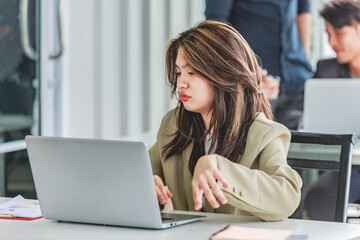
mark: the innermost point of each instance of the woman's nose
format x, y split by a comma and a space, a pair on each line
182, 82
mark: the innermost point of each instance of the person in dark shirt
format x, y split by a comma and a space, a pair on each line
279, 33
342, 21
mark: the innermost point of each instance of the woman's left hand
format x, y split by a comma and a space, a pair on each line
204, 182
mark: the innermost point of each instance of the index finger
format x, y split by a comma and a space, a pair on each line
160, 186
218, 176
217, 191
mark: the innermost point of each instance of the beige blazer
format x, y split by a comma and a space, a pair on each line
262, 183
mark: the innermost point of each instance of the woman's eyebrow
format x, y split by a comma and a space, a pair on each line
184, 66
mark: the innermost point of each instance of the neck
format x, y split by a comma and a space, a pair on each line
354, 66
206, 117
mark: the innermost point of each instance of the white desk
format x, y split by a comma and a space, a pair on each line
49, 229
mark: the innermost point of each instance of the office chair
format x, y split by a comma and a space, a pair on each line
324, 163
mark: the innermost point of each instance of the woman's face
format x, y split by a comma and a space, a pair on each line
195, 91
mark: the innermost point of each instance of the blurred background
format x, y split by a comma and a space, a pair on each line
90, 69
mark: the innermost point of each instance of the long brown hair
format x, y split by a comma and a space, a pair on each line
221, 55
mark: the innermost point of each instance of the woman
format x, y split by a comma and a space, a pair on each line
220, 141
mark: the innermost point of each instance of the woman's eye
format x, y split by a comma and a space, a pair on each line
190, 73
178, 74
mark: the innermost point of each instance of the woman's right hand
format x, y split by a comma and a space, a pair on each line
162, 192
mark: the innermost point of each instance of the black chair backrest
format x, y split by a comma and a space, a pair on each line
324, 163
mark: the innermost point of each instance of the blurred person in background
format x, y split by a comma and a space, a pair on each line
279, 34
342, 21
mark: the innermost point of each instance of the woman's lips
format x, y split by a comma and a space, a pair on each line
184, 97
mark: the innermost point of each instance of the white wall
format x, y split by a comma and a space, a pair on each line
113, 76
112, 71
320, 47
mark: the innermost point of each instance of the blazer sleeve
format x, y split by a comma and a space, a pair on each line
271, 192
218, 10
156, 161
166, 129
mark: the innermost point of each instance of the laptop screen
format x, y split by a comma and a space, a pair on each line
331, 106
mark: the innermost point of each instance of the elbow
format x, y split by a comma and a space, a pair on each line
290, 203
284, 210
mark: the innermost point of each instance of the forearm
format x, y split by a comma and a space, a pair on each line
155, 159
303, 22
270, 192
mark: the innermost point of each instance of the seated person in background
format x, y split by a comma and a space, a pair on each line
288, 25
342, 20
220, 142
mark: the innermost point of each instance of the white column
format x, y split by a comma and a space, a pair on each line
159, 91
197, 11
134, 57
110, 69
79, 69
48, 82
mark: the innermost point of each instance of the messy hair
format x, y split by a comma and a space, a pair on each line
341, 13
218, 53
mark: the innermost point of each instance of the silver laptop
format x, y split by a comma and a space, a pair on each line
97, 181
331, 105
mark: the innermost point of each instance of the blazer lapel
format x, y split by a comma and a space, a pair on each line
187, 176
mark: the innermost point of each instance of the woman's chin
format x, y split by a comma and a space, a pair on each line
189, 108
